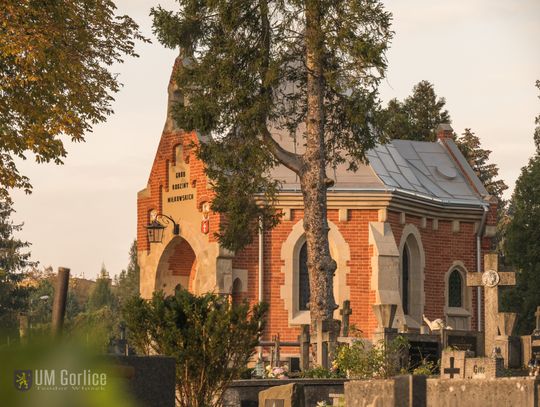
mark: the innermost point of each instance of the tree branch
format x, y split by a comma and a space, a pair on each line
290, 160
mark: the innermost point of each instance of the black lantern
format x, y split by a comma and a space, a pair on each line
155, 228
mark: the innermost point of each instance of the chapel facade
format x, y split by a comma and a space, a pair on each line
404, 229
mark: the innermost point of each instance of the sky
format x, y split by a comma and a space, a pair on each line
481, 55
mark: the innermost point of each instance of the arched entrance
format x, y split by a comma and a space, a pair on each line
177, 266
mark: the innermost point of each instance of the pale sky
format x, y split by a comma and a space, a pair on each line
481, 55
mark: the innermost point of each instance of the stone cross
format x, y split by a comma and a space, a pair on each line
452, 370
491, 279
345, 312
304, 340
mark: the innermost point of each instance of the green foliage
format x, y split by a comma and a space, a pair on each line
14, 261
211, 339
102, 295
470, 146
426, 368
41, 300
522, 249
319, 372
94, 327
416, 117
380, 361
478, 158
537, 122
127, 283
245, 76
55, 79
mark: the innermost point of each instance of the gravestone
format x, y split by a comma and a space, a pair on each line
324, 341
484, 368
288, 395
490, 280
471, 341
535, 337
453, 364
530, 344
385, 314
509, 345
345, 312
304, 341
421, 348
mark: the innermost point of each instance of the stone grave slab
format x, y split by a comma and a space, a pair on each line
510, 347
453, 364
463, 340
421, 349
483, 368
288, 395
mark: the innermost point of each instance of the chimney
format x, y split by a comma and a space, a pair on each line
445, 132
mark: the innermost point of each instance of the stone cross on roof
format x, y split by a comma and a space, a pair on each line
490, 279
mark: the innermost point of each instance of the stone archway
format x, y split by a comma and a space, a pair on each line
212, 271
177, 266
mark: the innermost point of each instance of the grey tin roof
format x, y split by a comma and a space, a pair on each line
420, 168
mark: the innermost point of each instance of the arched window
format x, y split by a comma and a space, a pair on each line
236, 292
405, 268
303, 280
455, 289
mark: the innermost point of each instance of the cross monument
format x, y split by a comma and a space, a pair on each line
490, 279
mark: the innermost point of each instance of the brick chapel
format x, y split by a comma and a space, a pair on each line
404, 229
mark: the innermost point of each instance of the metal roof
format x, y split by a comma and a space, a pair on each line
425, 169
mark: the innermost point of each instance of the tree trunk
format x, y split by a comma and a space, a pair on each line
313, 179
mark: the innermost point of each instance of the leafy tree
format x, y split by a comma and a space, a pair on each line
102, 295
41, 301
522, 249
522, 237
14, 261
417, 117
55, 79
308, 69
537, 122
127, 283
470, 146
211, 340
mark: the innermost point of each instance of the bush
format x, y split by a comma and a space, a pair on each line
319, 372
378, 362
210, 339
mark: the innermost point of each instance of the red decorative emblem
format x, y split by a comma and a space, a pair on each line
205, 226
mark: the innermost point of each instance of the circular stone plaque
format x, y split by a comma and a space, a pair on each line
490, 278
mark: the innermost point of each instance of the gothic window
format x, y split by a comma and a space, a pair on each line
455, 291
405, 266
303, 280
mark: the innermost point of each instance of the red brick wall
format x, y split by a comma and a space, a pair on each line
441, 247
182, 260
158, 181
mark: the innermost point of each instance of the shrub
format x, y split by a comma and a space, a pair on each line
377, 362
210, 339
319, 372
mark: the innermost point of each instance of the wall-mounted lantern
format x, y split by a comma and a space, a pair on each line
155, 228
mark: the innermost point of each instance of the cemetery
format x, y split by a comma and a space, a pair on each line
302, 233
